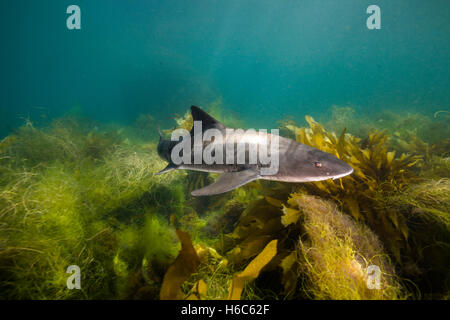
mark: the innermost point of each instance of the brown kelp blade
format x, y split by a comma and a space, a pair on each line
179, 271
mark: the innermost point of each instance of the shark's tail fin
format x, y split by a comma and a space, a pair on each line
169, 167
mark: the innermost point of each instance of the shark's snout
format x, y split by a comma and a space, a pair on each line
335, 168
327, 166
346, 170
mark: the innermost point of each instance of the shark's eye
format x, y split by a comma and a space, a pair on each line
318, 164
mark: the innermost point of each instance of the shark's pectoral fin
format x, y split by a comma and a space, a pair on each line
168, 168
227, 182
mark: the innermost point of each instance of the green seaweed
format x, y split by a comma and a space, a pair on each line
66, 194
75, 192
377, 172
334, 254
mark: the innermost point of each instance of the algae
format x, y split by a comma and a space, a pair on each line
334, 253
77, 192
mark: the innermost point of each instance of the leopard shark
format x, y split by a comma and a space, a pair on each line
296, 162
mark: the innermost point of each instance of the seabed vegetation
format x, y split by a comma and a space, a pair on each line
76, 192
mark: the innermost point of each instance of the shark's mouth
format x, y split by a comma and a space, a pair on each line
343, 175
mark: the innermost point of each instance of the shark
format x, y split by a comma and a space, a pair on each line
296, 162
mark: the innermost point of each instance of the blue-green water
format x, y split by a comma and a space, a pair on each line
265, 59
78, 149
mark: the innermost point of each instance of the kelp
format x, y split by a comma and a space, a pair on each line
410, 132
79, 193
188, 261
251, 272
179, 271
300, 226
213, 277
258, 225
377, 172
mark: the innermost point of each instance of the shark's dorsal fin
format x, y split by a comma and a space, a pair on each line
208, 122
227, 182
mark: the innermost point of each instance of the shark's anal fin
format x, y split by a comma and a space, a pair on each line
227, 182
168, 168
